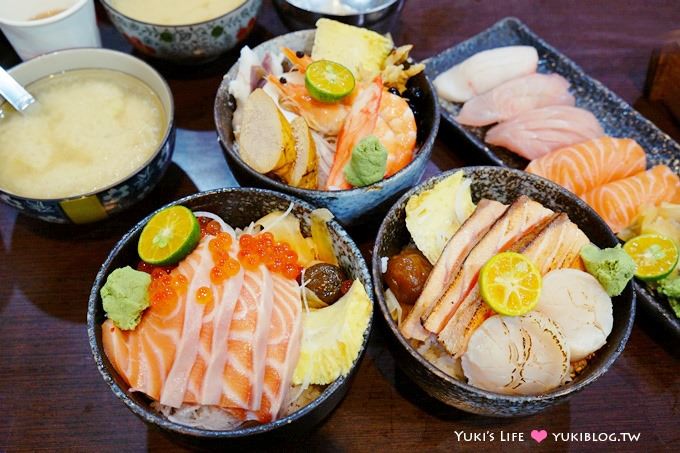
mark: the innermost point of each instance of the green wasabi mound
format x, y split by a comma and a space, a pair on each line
368, 163
670, 287
612, 267
125, 296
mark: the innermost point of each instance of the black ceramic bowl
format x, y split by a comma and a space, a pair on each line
353, 206
239, 207
504, 185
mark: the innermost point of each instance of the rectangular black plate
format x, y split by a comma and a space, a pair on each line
615, 115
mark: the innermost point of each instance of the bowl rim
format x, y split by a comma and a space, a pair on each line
107, 4
376, 9
169, 122
31, 23
424, 151
151, 417
487, 395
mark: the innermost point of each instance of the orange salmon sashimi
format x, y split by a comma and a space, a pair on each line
620, 202
145, 356
237, 351
585, 166
283, 347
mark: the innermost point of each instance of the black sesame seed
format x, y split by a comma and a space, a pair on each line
299, 54
394, 91
283, 80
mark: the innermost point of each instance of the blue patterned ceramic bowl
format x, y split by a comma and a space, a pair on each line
239, 207
98, 205
504, 185
190, 43
350, 207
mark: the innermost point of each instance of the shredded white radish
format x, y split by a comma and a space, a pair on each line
393, 306
383, 264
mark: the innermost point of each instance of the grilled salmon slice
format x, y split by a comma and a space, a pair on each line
448, 264
522, 216
553, 245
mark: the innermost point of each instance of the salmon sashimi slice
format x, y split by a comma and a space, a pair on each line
145, 356
283, 348
247, 344
522, 216
554, 245
514, 97
197, 272
448, 264
585, 166
537, 132
237, 351
620, 202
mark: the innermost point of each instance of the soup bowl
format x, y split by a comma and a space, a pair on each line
238, 207
378, 15
187, 43
504, 185
119, 195
351, 207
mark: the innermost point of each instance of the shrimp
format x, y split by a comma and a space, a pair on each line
300, 63
386, 116
360, 122
323, 117
396, 130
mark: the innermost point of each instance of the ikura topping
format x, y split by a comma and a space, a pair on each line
165, 290
225, 266
262, 249
204, 295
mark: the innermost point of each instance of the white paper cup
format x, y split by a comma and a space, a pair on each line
74, 26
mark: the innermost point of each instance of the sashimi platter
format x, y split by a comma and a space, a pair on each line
501, 289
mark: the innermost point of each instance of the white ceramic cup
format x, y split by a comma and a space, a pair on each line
74, 26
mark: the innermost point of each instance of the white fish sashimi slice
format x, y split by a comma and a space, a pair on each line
484, 71
577, 302
521, 355
514, 97
537, 132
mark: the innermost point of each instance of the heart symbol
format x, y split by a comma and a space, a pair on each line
539, 436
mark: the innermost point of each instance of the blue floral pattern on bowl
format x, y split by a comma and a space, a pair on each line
194, 43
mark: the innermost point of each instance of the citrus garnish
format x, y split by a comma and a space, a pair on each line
328, 81
510, 283
655, 256
169, 236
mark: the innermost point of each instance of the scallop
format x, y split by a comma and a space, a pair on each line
523, 355
577, 302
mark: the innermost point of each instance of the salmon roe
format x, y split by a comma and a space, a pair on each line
225, 266
165, 289
204, 295
260, 249
209, 226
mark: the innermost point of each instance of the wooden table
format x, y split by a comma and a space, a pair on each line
52, 396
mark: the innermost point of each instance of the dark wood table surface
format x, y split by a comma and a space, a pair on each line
53, 398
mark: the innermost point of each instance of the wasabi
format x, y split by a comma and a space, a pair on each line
125, 297
670, 287
612, 267
368, 163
